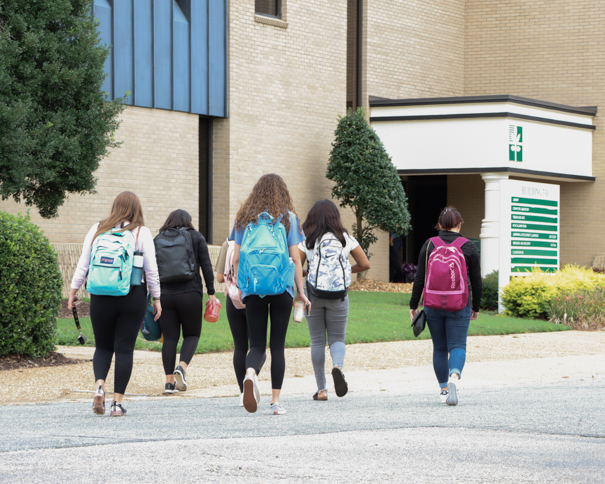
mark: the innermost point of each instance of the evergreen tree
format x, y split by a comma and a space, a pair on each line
366, 180
55, 122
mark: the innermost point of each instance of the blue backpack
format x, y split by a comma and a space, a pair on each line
265, 268
111, 262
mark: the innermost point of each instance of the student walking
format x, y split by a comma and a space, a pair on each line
445, 265
225, 273
118, 256
181, 252
267, 233
327, 249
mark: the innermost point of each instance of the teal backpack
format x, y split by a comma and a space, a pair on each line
265, 268
111, 262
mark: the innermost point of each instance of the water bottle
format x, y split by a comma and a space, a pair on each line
137, 269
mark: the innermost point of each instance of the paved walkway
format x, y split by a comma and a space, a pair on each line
533, 419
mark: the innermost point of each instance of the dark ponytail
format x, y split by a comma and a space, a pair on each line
449, 218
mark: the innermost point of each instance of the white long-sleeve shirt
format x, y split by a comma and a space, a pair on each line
144, 245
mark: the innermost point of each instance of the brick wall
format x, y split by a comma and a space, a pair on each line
553, 51
158, 160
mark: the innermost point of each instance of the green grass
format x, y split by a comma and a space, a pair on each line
373, 317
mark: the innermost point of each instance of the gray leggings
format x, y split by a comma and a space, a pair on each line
327, 315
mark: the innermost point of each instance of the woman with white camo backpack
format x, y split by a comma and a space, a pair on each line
327, 249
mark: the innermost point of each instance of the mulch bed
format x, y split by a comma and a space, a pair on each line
370, 285
17, 362
83, 310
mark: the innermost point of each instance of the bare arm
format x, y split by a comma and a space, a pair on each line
303, 259
362, 262
298, 276
236, 252
220, 278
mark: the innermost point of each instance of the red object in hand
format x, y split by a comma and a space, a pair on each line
212, 311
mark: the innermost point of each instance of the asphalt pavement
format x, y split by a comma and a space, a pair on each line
539, 432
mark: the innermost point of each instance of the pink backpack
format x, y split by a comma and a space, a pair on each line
231, 289
446, 284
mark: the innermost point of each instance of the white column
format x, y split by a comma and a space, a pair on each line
490, 225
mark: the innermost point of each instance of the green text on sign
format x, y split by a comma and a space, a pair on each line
550, 228
535, 201
534, 235
526, 209
533, 243
521, 260
548, 253
530, 269
533, 218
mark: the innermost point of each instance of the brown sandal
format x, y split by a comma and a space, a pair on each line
321, 399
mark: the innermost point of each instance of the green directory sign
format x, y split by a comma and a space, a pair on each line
529, 228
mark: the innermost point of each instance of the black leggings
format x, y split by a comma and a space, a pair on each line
116, 321
257, 314
239, 330
183, 309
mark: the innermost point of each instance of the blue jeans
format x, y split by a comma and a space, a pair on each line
449, 330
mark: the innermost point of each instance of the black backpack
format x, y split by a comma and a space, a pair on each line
175, 256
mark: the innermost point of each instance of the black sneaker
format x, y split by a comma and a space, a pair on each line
169, 389
340, 384
179, 375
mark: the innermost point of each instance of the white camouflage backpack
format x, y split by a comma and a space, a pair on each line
329, 270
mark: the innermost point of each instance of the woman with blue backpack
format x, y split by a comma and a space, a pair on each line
181, 252
445, 265
267, 233
327, 250
118, 256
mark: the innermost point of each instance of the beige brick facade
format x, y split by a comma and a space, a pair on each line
158, 160
552, 51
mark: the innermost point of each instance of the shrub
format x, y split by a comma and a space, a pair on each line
31, 288
529, 296
489, 295
579, 310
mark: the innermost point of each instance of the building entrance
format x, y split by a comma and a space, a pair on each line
427, 196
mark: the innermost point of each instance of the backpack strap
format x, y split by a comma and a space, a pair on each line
459, 242
437, 242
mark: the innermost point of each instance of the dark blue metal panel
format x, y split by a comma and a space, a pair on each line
199, 56
162, 53
180, 55
143, 53
102, 10
123, 52
217, 35
170, 54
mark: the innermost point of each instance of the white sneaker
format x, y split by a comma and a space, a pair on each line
256, 389
241, 399
277, 409
452, 392
443, 396
251, 394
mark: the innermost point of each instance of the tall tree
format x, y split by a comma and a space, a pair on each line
366, 180
56, 124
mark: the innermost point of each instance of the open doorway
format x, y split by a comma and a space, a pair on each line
427, 196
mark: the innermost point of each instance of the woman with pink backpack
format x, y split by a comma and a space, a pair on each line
445, 265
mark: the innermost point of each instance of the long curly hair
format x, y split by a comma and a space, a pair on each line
270, 194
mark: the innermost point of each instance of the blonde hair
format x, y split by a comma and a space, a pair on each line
126, 208
270, 194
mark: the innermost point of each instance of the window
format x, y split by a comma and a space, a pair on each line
268, 7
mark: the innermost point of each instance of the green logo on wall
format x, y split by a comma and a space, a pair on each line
515, 143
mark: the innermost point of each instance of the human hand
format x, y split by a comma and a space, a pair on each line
413, 313
157, 309
303, 298
71, 302
474, 315
212, 299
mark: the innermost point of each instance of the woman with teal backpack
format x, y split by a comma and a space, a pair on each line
112, 250
267, 233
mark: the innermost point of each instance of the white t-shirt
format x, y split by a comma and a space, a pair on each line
351, 244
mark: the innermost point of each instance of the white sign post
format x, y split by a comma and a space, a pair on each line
530, 215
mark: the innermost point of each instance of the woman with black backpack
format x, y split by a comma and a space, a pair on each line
327, 249
445, 265
181, 251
